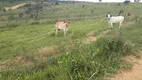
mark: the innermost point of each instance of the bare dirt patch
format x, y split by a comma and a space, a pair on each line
48, 51
94, 38
134, 74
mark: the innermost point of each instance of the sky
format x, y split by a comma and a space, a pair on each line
106, 0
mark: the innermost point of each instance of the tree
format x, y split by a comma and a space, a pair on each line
120, 12
100, 0
137, 1
33, 10
126, 2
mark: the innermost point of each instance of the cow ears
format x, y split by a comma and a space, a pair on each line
66, 21
108, 16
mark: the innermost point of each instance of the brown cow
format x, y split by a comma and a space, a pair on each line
127, 14
62, 25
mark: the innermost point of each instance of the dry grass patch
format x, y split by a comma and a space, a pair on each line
28, 59
14, 63
48, 51
91, 38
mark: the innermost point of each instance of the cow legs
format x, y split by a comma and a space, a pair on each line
56, 31
111, 25
120, 24
65, 31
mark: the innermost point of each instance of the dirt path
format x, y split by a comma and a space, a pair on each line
134, 74
94, 38
17, 6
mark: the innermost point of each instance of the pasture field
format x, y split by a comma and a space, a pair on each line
29, 49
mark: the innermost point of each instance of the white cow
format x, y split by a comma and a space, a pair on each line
115, 19
62, 25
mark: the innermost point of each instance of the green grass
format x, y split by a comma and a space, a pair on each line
73, 59
133, 33
101, 58
22, 39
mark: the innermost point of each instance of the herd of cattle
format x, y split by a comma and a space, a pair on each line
63, 25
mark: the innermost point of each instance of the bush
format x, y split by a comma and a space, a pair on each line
12, 25
34, 23
97, 59
11, 17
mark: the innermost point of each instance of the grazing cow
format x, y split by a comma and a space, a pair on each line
115, 19
62, 25
127, 14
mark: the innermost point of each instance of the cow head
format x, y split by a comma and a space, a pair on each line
108, 16
127, 14
67, 21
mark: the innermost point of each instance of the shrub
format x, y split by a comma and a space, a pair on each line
11, 17
11, 25
97, 59
34, 22
83, 6
20, 15
120, 12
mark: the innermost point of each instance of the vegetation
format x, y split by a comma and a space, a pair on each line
126, 2
137, 1
29, 49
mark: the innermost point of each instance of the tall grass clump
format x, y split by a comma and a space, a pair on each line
94, 61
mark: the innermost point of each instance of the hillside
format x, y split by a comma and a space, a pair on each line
29, 49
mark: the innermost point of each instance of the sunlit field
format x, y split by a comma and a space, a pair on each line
30, 50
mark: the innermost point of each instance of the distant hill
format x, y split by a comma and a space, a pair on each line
31, 0
15, 0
